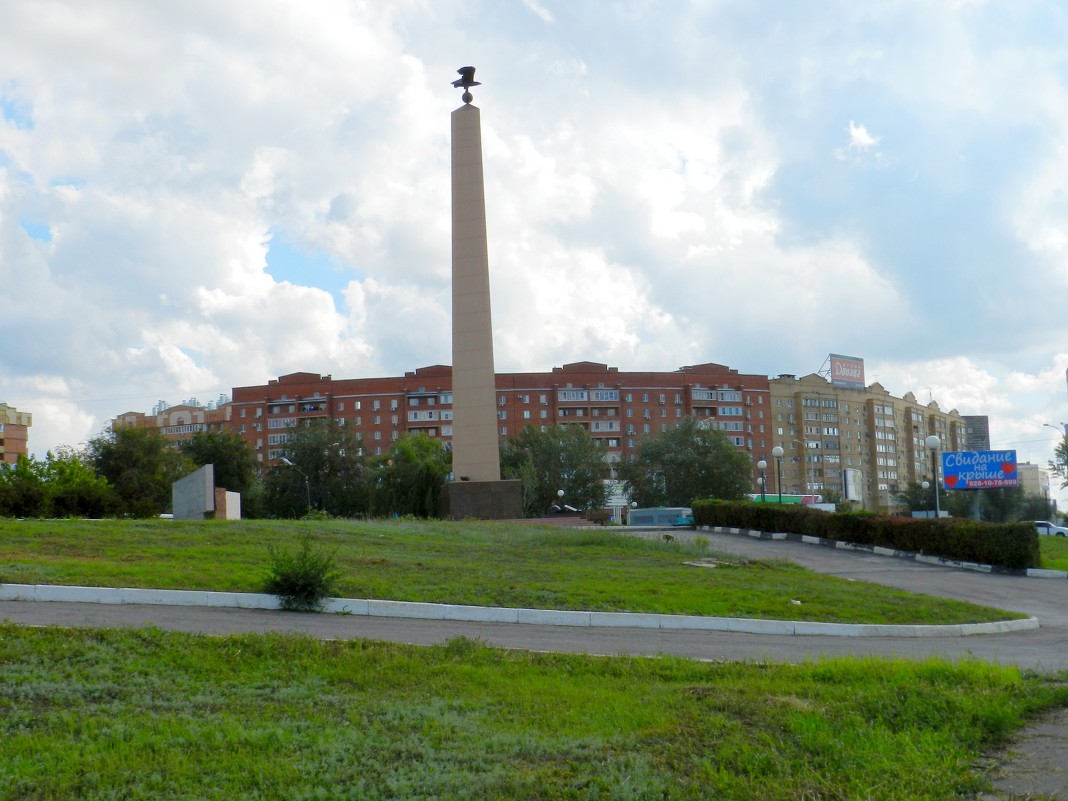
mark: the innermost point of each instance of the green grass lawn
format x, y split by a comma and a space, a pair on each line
483, 564
1054, 552
97, 714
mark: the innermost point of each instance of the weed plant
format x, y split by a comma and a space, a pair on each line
303, 579
143, 714
480, 564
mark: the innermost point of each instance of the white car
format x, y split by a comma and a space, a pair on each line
1045, 527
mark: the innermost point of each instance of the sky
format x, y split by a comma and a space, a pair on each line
198, 195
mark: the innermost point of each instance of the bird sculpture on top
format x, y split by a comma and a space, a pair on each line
466, 80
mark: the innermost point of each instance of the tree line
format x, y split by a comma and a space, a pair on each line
325, 471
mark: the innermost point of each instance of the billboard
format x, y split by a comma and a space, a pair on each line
963, 470
847, 371
853, 489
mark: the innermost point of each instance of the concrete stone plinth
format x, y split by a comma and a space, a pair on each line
483, 500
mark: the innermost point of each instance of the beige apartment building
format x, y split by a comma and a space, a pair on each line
181, 421
14, 433
862, 443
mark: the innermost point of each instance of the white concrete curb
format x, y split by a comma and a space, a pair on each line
486, 614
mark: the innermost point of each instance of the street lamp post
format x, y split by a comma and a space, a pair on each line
777, 452
307, 483
933, 443
762, 466
926, 486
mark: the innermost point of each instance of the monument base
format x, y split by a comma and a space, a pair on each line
483, 500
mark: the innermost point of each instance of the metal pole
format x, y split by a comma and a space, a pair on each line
777, 452
934, 476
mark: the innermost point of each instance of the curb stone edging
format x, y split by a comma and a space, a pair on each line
487, 614
1030, 572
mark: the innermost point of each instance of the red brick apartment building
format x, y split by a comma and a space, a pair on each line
616, 408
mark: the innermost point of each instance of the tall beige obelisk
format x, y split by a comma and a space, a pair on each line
475, 448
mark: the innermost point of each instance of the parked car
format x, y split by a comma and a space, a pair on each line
1046, 527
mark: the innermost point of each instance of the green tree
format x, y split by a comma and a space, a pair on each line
326, 472
234, 461
141, 465
563, 457
74, 488
23, 492
1059, 465
416, 468
684, 463
916, 498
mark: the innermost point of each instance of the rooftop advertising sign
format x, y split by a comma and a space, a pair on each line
847, 371
979, 469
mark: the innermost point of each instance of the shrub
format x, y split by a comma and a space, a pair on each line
1006, 545
302, 580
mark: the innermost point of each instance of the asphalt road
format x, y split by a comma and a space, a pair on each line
1044, 649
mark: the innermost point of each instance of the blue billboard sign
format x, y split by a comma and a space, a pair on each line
963, 470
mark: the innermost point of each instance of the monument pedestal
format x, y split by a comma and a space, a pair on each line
483, 500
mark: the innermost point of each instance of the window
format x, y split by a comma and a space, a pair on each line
375, 406
605, 395
572, 395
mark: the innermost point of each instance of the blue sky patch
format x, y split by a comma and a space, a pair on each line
306, 268
36, 230
17, 112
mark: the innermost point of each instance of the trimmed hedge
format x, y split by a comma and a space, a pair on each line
1007, 545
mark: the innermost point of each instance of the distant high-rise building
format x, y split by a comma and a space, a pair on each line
976, 432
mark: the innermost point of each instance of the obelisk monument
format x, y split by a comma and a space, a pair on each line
477, 490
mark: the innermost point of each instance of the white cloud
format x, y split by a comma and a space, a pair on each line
860, 138
538, 10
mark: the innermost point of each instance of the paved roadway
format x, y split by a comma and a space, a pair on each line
1044, 649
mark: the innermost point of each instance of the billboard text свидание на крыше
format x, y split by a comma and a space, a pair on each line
979, 469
